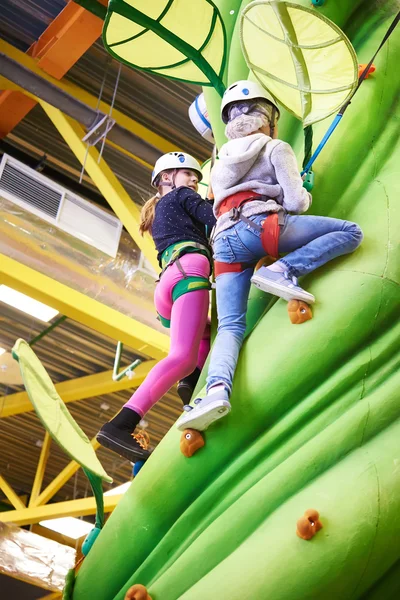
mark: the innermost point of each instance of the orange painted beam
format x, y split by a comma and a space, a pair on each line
59, 47
13, 108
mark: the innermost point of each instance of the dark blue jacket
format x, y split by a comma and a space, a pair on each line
182, 215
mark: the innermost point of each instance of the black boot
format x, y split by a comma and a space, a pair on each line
116, 435
187, 384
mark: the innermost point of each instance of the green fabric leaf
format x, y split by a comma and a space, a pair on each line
53, 413
174, 38
300, 56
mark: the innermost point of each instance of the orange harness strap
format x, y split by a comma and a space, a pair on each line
220, 267
270, 235
269, 232
237, 200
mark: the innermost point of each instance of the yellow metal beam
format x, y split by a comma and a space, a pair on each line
6, 84
44, 455
130, 124
70, 508
49, 534
11, 495
83, 309
78, 389
103, 177
61, 479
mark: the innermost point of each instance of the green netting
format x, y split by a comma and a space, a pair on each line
175, 38
53, 413
300, 56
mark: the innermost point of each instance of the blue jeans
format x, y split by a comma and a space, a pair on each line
309, 241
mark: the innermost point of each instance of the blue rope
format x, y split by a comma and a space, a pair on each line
322, 143
338, 117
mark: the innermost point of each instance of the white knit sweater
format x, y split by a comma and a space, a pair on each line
260, 164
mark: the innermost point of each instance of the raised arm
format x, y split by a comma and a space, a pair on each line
296, 199
200, 210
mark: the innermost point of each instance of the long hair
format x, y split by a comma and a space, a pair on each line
147, 214
148, 211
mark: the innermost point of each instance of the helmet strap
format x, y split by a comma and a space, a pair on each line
173, 186
272, 122
170, 184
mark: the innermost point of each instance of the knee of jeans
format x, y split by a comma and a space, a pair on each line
356, 232
235, 328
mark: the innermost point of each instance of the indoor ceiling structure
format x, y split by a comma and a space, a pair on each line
79, 352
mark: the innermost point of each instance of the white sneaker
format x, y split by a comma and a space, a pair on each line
280, 284
206, 411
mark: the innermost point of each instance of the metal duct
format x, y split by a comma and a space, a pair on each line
125, 283
33, 558
86, 115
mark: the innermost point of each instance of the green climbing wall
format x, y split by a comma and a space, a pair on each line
315, 421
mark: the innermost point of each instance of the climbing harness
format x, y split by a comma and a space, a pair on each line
189, 283
174, 252
269, 230
341, 112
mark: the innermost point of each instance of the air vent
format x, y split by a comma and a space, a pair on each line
39, 195
32, 191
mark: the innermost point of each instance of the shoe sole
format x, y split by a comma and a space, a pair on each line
112, 444
272, 287
201, 418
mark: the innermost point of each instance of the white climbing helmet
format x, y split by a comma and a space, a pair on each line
175, 160
198, 114
244, 90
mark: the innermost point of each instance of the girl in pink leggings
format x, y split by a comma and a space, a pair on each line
180, 222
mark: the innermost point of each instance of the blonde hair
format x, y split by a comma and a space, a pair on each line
148, 211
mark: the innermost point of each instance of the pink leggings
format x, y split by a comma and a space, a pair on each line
190, 333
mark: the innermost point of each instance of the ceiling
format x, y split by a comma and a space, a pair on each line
72, 350
159, 104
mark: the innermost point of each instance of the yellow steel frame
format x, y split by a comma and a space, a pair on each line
83, 309
44, 455
11, 495
103, 177
130, 124
77, 306
72, 508
88, 386
61, 479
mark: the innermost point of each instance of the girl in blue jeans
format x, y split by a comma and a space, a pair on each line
255, 182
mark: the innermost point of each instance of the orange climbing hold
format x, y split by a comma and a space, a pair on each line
361, 69
309, 524
137, 592
299, 311
191, 441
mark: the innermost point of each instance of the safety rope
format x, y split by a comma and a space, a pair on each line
308, 141
339, 116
